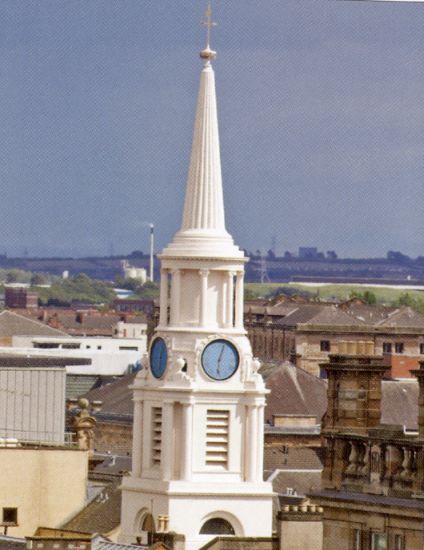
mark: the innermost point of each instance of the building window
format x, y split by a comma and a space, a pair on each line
128, 348
10, 516
378, 541
421, 349
217, 425
156, 435
325, 345
399, 347
71, 346
99, 347
217, 526
398, 542
387, 347
356, 539
323, 373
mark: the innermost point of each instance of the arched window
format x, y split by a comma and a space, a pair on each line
217, 526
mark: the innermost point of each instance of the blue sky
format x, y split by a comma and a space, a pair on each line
321, 118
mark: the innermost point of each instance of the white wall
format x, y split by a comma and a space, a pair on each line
109, 356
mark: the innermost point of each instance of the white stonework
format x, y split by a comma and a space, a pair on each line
183, 468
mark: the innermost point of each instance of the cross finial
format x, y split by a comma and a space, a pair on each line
208, 23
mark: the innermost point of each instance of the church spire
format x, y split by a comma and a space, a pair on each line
203, 229
204, 203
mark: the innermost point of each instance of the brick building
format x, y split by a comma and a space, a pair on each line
20, 297
306, 333
373, 479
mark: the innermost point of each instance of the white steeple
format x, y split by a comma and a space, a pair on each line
199, 400
203, 231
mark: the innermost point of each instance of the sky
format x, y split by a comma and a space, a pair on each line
321, 116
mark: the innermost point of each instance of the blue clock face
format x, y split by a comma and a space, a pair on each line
158, 357
220, 359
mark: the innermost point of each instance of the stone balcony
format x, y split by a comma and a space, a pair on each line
384, 462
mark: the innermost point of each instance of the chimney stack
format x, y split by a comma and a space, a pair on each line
354, 393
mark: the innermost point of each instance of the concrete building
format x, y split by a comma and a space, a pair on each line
32, 398
40, 486
199, 401
108, 356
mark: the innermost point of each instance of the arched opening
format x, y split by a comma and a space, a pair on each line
217, 526
145, 527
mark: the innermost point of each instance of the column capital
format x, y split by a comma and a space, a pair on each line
204, 272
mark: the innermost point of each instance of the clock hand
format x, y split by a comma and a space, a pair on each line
219, 359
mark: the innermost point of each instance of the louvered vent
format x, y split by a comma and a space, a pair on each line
217, 438
156, 435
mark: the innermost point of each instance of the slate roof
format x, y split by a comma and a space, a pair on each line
334, 316
79, 384
102, 514
108, 545
403, 317
12, 543
292, 458
301, 482
400, 403
10, 359
83, 323
12, 324
345, 314
302, 314
369, 314
294, 391
116, 396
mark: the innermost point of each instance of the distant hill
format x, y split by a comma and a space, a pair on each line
395, 269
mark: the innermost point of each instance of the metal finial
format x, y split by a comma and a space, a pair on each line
207, 53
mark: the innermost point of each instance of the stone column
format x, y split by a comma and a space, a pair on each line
260, 439
252, 442
167, 461
230, 300
239, 299
137, 439
175, 296
204, 274
186, 440
163, 314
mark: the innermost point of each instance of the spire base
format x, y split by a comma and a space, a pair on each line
203, 243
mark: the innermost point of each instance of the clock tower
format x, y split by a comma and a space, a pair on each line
199, 400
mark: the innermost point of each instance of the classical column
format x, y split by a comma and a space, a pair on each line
230, 299
163, 314
252, 443
137, 439
260, 439
175, 296
167, 462
204, 274
239, 299
186, 440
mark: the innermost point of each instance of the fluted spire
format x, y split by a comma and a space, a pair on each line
203, 230
204, 203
